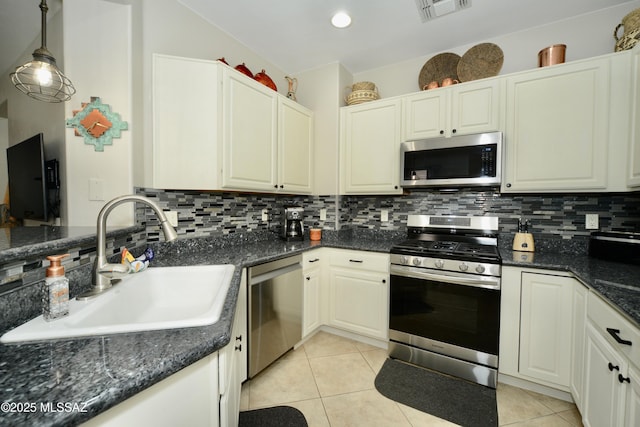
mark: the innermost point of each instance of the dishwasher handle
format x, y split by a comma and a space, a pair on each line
273, 273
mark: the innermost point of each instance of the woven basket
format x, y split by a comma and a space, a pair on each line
631, 24
629, 40
363, 86
360, 96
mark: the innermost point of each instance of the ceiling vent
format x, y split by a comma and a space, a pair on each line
432, 9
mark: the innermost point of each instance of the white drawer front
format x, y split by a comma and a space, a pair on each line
370, 261
609, 323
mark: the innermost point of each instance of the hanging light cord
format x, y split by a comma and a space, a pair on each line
41, 78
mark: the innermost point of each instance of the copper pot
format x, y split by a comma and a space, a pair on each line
263, 78
244, 70
552, 55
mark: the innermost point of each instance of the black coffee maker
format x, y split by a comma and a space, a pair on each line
292, 226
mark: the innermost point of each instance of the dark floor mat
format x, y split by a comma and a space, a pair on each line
278, 416
452, 399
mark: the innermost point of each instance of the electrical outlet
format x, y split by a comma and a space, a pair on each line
323, 214
265, 215
172, 217
591, 221
384, 215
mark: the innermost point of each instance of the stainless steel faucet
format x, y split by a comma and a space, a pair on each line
103, 272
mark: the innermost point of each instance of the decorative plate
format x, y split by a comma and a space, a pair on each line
481, 61
438, 68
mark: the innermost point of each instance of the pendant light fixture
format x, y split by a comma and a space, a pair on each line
41, 78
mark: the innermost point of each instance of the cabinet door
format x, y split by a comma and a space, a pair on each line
545, 327
187, 126
577, 342
425, 114
312, 318
632, 412
359, 301
233, 362
166, 403
475, 107
633, 177
557, 127
250, 142
295, 148
370, 148
603, 394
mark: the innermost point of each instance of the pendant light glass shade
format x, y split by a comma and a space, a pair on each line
41, 78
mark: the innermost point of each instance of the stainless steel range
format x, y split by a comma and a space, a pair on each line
445, 296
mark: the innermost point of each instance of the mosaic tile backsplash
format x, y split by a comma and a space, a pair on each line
553, 217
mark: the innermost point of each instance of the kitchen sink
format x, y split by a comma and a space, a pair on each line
157, 298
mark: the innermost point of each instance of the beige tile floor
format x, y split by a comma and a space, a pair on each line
330, 380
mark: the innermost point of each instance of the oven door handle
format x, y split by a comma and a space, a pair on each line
485, 282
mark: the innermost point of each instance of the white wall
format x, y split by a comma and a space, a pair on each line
585, 36
98, 59
319, 90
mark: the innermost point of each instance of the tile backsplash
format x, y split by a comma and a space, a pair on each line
558, 216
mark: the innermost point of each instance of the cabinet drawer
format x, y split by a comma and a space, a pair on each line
609, 323
370, 261
312, 259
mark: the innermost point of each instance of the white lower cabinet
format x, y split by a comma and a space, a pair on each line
604, 397
536, 326
632, 406
233, 362
359, 292
313, 292
186, 398
578, 343
611, 380
545, 327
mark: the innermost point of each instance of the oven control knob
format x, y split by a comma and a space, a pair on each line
417, 261
404, 260
480, 269
463, 267
439, 263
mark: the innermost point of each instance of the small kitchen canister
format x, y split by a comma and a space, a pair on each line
552, 55
315, 234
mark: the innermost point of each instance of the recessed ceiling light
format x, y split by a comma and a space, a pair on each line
341, 20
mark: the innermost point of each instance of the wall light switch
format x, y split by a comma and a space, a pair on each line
384, 215
591, 222
323, 214
172, 217
265, 215
96, 189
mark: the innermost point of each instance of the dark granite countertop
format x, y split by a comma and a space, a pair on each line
27, 242
104, 371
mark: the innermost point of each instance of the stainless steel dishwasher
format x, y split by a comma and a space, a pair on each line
275, 310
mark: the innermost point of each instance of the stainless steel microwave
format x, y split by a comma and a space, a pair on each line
464, 160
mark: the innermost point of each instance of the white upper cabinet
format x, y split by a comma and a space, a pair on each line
295, 147
557, 128
226, 131
187, 134
370, 148
460, 109
250, 137
633, 177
